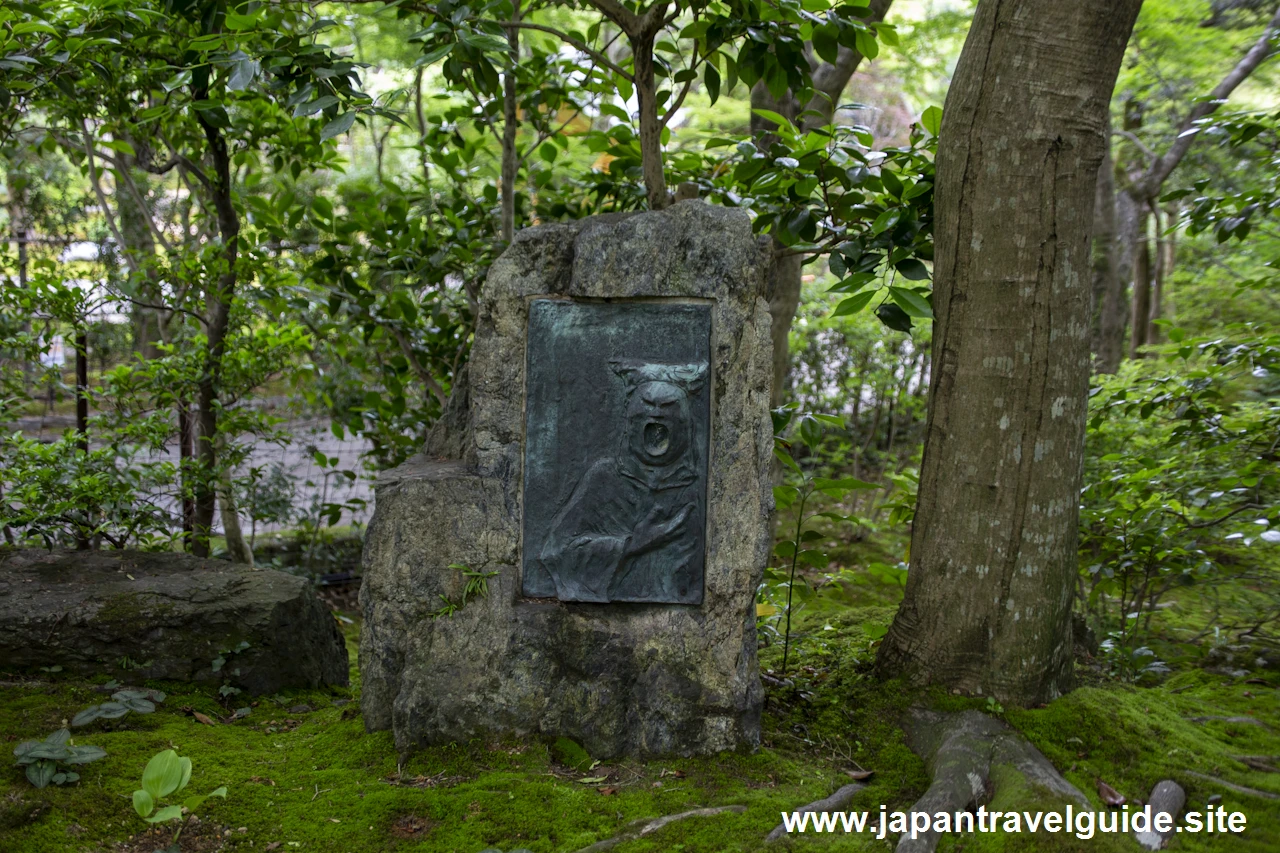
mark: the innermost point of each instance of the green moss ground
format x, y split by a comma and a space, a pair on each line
316, 781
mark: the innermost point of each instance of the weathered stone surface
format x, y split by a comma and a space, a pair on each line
619, 678
170, 614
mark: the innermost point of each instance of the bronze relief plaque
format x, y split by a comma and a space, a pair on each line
617, 415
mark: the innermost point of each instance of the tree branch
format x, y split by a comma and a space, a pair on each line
599, 57
1160, 170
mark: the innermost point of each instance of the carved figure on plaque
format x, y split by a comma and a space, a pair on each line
615, 489
625, 534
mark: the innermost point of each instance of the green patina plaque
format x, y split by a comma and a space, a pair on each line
617, 413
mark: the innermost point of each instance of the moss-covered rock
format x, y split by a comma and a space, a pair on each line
169, 616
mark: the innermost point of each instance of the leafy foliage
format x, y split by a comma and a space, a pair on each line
167, 774
47, 761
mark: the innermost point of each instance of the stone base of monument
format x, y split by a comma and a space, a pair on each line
601, 483
168, 616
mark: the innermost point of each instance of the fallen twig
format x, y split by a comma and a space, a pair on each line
1232, 786
837, 800
644, 826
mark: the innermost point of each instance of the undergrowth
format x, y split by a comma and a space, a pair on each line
315, 780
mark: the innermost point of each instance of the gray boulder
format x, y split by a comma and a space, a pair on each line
618, 678
166, 615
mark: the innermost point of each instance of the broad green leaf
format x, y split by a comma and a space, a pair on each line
313, 107
182, 78
84, 754
41, 773
844, 483
931, 120
338, 126
166, 813
785, 496
853, 304
912, 270
785, 458
911, 302
162, 775
711, 79
186, 772
143, 803
777, 118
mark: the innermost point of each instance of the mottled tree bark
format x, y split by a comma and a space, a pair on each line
1141, 306
993, 550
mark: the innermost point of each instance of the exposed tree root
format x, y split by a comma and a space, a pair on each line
961, 750
1232, 786
644, 826
838, 800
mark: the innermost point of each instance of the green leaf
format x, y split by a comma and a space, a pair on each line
785, 458
912, 269
182, 78
86, 716
826, 42
844, 484
931, 120
84, 754
785, 496
41, 773
313, 107
711, 79
911, 302
785, 549
853, 304
338, 126
162, 775
143, 803
777, 118
894, 317
242, 74
186, 772
166, 813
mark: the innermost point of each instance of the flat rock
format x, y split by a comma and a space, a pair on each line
166, 615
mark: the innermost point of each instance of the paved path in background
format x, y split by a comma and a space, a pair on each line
297, 460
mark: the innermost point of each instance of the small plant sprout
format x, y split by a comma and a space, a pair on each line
45, 760
166, 774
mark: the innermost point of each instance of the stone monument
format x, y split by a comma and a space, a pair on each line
577, 551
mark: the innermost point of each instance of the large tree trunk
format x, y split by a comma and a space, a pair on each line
993, 549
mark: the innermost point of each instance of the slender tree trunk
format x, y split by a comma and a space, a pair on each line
217, 321
1114, 317
237, 548
82, 416
510, 127
186, 456
993, 549
655, 180
1141, 288
1166, 250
